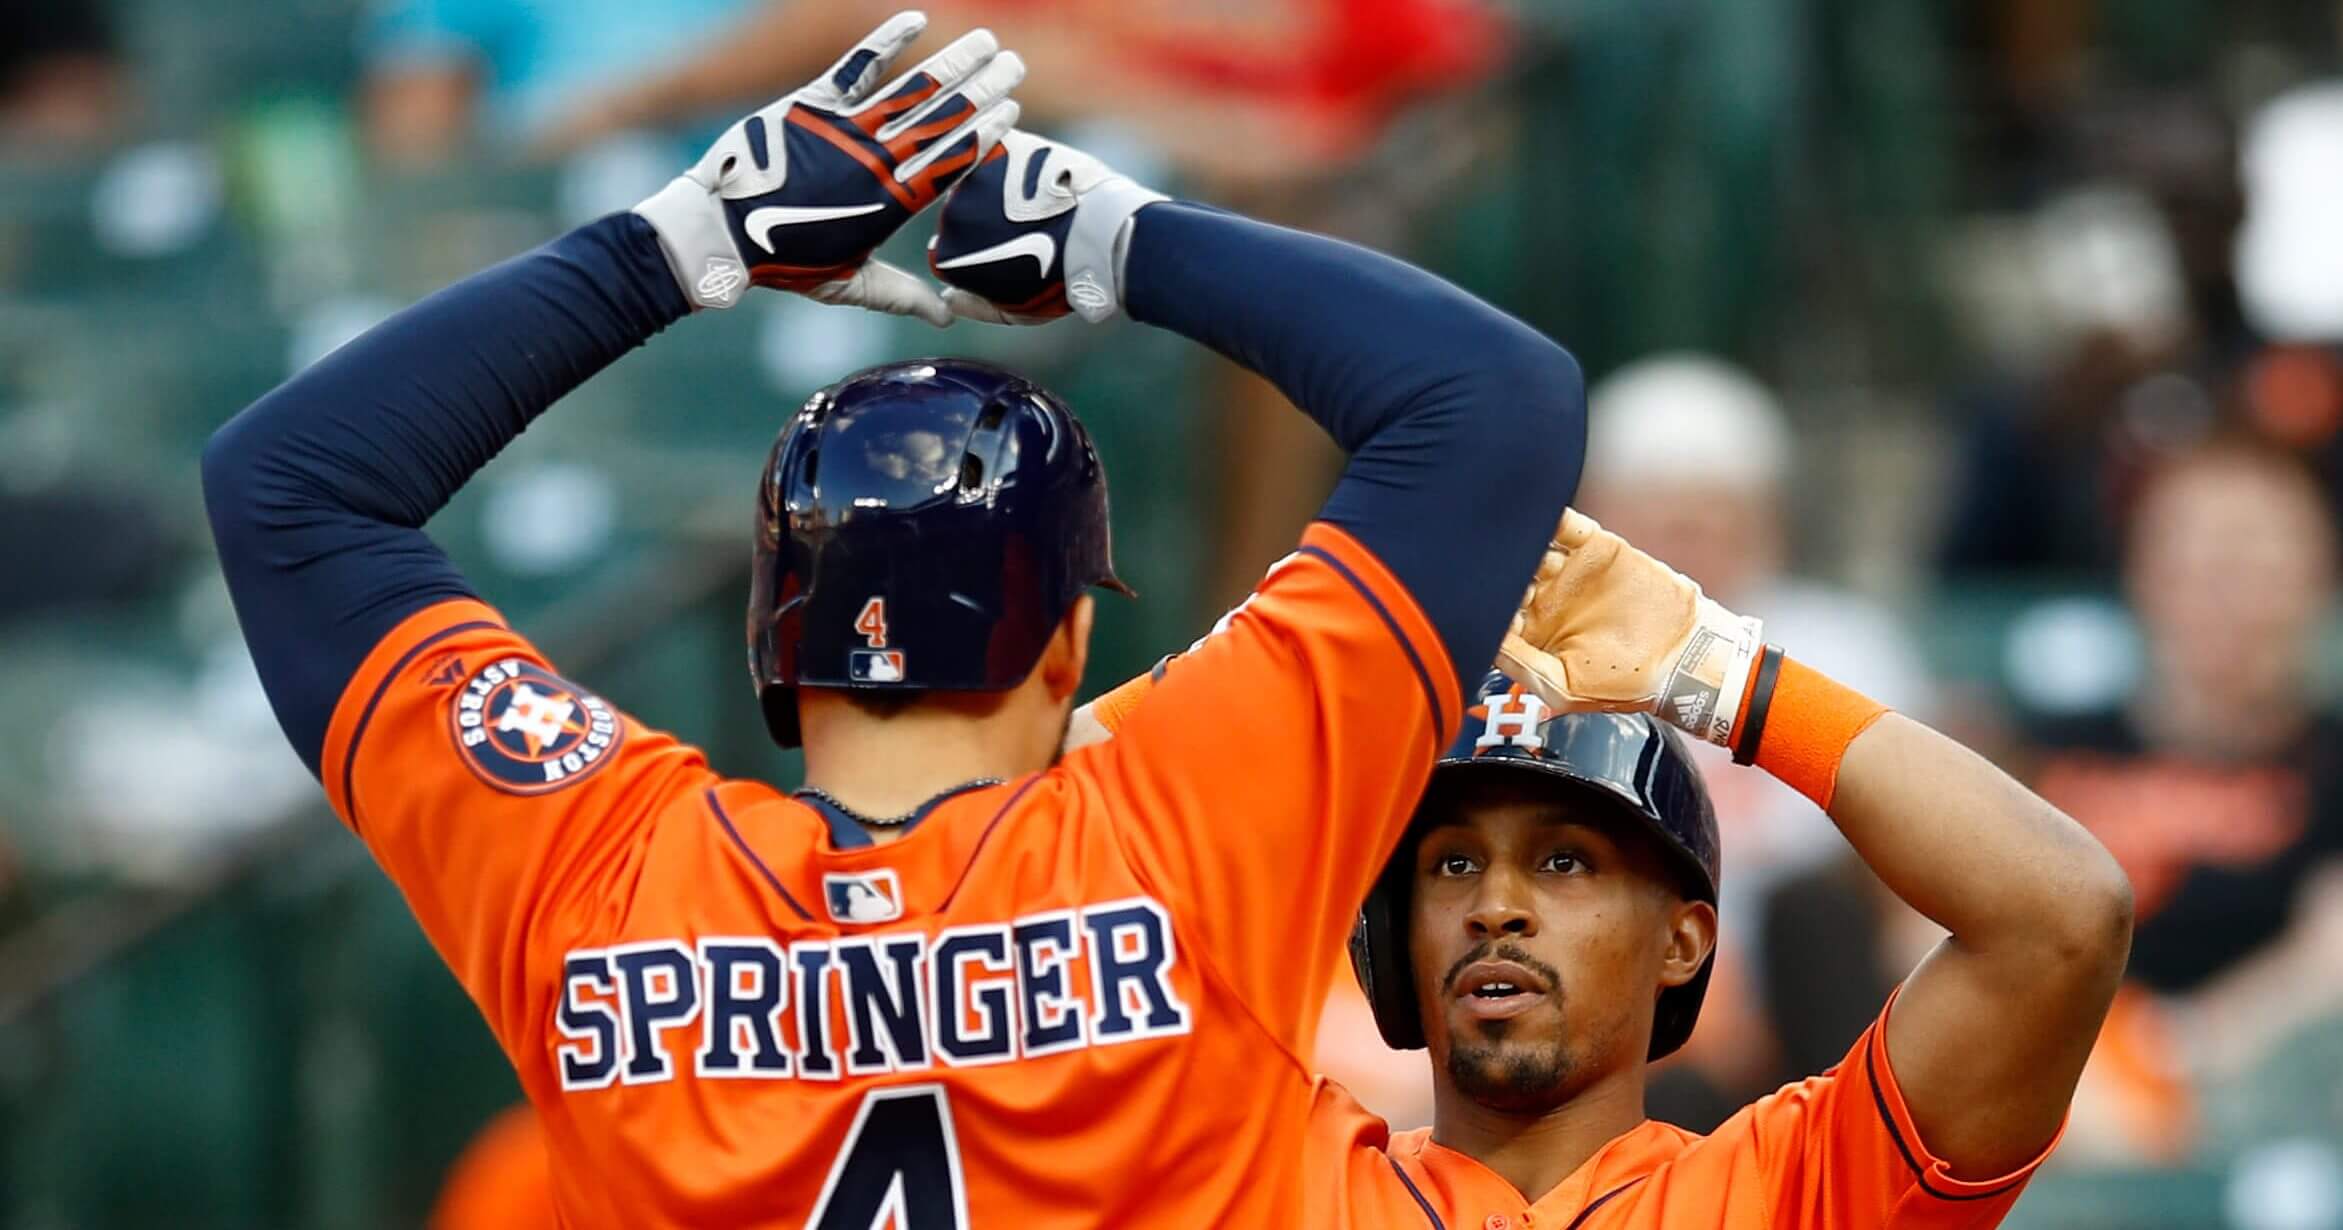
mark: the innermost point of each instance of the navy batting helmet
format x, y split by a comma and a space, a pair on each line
921, 526
1629, 764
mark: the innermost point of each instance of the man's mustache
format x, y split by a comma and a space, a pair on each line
1504, 950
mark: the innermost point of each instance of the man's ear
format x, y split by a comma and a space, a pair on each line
1692, 936
1068, 654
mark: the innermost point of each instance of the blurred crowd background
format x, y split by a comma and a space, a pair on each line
1988, 349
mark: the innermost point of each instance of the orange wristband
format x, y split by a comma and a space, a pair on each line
1112, 708
1802, 725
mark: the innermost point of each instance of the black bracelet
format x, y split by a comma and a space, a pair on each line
1761, 698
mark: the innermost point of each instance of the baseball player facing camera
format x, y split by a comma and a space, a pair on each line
1545, 929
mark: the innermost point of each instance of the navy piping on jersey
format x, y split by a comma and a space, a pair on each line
1600, 1201
366, 716
751, 855
1412, 1190
1423, 677
1919, 1172
984, 837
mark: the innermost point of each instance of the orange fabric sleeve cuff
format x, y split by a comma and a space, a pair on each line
1808, 724
1112, 708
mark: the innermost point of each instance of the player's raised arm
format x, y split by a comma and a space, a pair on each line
402, 691
1277, 761
318, 492
1989, 1034
1466, 428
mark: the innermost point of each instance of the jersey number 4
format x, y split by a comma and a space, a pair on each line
872, 623
899, 1167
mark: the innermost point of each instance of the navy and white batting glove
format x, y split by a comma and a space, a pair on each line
1037, 230
799, 194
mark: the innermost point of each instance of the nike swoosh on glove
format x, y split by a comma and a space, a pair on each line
797, 195
1039, 229
1607, 627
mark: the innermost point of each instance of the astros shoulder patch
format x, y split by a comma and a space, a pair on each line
525, 730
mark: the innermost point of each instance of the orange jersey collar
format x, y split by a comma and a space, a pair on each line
1454, 1180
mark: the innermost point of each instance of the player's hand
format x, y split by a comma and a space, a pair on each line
797, 195
1606, 627
1037, 230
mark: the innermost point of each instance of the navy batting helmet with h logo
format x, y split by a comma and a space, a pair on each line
921, 526
1628, 764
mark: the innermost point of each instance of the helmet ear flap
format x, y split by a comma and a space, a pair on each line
779, 703
1678, 1011
1379, 956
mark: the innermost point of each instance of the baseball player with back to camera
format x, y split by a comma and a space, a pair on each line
1545, 930
954, 981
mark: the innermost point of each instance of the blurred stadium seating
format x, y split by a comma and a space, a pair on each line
214, 1013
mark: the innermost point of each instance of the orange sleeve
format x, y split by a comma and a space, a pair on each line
1349, 1182
499, 797
1840, 1150
1269, 772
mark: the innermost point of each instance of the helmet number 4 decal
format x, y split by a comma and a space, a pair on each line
872, 623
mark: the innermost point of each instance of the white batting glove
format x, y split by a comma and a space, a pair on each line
797, 195
1038, 230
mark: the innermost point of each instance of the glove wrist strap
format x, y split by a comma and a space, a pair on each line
1703, 693
1099, 242
697, 239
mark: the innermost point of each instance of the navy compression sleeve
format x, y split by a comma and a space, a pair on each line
318, 491
1466, 428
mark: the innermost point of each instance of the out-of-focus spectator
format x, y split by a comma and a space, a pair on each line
2290, 270
443, 73
2219, 787
1690, 458
2289, 252
62, 83
2113, 315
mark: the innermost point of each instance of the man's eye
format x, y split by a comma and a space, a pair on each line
1453, 865
1562, 862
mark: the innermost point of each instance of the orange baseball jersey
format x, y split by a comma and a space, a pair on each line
1834, 1152
1079, 998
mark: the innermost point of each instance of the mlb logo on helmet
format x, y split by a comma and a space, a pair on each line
868, 897
875, 666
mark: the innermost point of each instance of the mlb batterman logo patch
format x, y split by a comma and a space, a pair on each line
876, 666
524, 730
869, 897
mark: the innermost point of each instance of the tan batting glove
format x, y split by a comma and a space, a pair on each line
1607, 628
